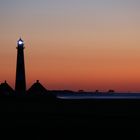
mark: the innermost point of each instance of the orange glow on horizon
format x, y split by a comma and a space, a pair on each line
73, 45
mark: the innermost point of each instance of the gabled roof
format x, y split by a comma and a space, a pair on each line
6, 89
37, 89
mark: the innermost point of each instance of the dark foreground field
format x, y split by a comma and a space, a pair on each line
40, 112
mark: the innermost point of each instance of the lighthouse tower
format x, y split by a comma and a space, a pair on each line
20, 85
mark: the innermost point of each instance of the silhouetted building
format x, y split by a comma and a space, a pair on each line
111, 91
97, 91
5, 89
20, 85
80, 91
37, 90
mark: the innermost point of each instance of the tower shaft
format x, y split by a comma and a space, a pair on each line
20, 86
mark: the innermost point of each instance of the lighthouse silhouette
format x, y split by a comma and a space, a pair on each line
20, 85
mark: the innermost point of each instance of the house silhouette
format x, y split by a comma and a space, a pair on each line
37, 89
5, 89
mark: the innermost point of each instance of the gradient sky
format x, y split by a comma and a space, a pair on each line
73, 44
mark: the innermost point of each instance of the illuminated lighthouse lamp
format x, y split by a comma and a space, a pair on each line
20, 42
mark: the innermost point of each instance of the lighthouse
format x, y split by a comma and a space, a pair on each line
20, 85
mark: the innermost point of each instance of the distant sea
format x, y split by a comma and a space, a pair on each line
84, 96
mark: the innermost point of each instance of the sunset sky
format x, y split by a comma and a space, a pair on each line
73, 44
